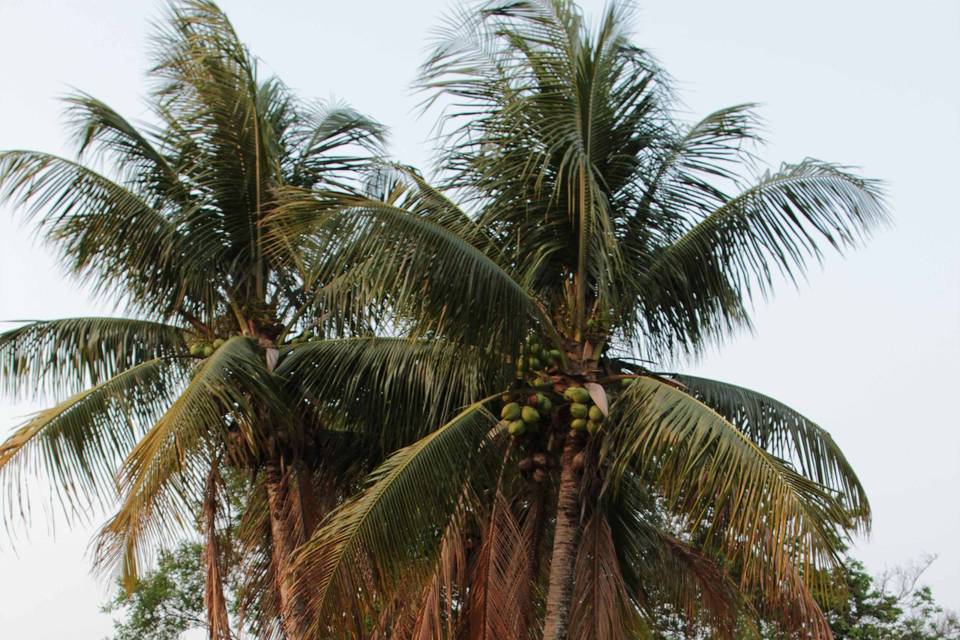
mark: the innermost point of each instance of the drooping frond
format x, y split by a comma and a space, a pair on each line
391, 529
162, 479
666, 577
106, 234
434, 614
80, 443
771, 229
785, 433
499, 604
60, 357
601, 604
329, 145
690, 172
214, 600
715, 477
390, 387
687, 180
256, 596
103, 134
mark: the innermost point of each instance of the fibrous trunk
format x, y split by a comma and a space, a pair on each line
287, 534
216, 604
565, 540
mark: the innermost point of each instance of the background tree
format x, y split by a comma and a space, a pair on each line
166, 601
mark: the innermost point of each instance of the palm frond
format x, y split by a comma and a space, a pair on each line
60, 357
550, 122
713, 476
389, 530
330, 144
772, 228
601, 604
162, 479
80, 443
665, 576
499, 603
389, 387
102, 132
430, 274
218, 622
106, 234
785, 433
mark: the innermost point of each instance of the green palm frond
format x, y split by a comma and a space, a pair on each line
161, 481
390, 387
426, 271
772, 228
63, 357
394, 526
208, 90
321, 146
84, 216
102, 132
719, 250
785, 433
685, 185
714, 476
80, 443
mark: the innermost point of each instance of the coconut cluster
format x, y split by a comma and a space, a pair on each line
534, 357
204, 349
521, 418
583, 413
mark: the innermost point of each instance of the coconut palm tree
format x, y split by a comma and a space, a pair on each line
152, 407
583, 241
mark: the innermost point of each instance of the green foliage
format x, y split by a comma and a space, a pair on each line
893, 606
165, 602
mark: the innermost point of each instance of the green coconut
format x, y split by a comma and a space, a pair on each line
596, 414
517, 427
196, 350
593, 426
207, 350
534, 362
578, 424
219, 342
530, 415
542, 382
556, 355
626, 382
578, 410
544, 403
581, 395
510, 411
568, 393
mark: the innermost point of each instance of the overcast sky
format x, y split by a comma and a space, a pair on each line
869, 346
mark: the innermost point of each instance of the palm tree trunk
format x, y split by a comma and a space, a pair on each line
286, 536
215, 603
566, 534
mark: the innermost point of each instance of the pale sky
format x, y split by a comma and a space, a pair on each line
869, 346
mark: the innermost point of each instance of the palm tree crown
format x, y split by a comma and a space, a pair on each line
578, 223
173, 231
